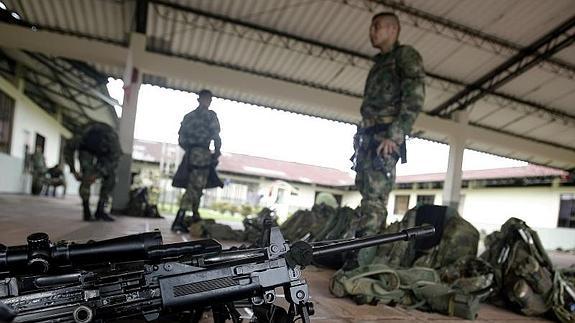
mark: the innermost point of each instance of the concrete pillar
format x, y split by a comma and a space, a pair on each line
457, 140
132, 82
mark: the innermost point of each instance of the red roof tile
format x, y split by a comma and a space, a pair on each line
296, 172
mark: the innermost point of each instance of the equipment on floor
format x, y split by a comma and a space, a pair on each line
138, 276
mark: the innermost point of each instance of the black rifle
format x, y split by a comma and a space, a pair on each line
138, 276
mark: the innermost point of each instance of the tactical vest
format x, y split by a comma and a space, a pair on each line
526, 279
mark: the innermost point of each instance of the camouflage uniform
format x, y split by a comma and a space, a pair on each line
38, 172
197, 130
393, 96
98, 152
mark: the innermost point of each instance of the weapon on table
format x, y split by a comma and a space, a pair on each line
138, 276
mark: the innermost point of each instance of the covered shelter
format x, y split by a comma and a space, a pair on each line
500, 74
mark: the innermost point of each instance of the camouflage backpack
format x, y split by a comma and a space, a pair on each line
304, 224
416, 287
339, 225
455, 238
420, 286
526, 279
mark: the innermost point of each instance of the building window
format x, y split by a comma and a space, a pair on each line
6, 120
425, 199
401, 204
567, 211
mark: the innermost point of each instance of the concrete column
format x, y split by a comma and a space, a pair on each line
132, 82
457, 140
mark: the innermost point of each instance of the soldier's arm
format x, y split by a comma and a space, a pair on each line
69, 152
412, 77
215, 127
181, 136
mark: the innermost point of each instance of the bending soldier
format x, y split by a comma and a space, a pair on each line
197, 130
393, 96
98, 152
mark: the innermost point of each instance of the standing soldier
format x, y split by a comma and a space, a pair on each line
98, 151
197, 130
393, 96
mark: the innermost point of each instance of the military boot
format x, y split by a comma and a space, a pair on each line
178, 224
100, 214
195, 217
86, 211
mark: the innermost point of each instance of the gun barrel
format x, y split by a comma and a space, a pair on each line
359, 243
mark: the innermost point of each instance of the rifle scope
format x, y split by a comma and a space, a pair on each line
39, 255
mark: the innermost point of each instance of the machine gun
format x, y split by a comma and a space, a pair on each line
138, 276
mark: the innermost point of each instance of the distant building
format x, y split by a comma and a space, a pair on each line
284, 186
541, 196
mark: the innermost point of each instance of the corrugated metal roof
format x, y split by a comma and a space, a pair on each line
461, 40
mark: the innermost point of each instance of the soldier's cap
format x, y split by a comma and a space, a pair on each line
204, 93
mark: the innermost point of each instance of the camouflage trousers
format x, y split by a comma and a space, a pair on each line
374, 185
197, 181
89, 167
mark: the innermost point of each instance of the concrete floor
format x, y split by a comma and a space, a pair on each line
61, 218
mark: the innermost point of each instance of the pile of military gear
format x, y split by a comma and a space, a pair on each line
253, 233
208, 228
526, 279
322, 222
140, 205
409, 274
255, 228
442, 273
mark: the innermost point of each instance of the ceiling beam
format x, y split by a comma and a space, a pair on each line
285, 95
463, 33
557, 39
346, 56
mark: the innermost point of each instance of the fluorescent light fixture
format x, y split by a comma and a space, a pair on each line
2, 6
15, 15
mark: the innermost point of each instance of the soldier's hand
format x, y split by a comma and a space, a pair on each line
77, 175
387, 147
91, 179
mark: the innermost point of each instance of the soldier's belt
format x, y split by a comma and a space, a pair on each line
367, 123
370, 131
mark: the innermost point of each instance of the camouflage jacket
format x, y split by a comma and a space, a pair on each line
394, 90
38, 163
101, 141
199, 128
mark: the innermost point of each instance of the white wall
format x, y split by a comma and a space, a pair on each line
537, 206
488, 208
29, 119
